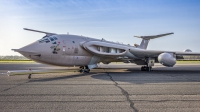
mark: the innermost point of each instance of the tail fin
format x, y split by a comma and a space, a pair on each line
146, 39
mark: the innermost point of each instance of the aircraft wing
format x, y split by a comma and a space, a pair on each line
142, 53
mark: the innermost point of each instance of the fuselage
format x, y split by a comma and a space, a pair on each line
68, 50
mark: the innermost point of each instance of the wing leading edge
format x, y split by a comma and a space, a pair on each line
142, 53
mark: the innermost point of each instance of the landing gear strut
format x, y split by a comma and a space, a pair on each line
84, 69
149, 64
29, 76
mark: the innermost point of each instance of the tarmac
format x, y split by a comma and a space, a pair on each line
115, 87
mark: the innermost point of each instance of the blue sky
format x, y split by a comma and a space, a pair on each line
114, 20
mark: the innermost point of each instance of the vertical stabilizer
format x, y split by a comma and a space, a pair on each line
143, 44
146, 39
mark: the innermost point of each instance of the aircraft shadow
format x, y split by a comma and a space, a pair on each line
58, 78
135, 76
158, 75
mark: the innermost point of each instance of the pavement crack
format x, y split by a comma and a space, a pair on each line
124, 92
13, 87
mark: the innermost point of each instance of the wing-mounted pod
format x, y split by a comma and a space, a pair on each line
105, 48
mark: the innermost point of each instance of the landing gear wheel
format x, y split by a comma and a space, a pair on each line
87, 70
145, 68
84, 69
142, 68
29, 76
148, 69
81, 69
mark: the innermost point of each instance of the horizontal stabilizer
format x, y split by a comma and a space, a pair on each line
153, 36
146, 39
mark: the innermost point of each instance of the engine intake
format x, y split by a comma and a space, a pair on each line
167, 59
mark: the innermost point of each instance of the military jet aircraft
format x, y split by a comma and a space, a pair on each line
74, 50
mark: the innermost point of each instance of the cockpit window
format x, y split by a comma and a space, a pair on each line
48, 39
55, 38
44, 40
51, 38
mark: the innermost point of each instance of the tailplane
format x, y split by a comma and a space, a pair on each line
146, 39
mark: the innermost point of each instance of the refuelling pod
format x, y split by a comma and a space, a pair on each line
167, 59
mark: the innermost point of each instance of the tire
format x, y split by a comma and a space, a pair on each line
81, 71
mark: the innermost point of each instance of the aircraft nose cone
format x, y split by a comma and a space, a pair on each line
31, 49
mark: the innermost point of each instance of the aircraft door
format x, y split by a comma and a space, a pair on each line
67, 50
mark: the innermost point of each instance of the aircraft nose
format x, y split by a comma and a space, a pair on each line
31, 49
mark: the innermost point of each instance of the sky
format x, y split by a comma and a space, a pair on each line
113, 20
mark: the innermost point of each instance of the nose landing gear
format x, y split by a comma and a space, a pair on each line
29, 76
84, 69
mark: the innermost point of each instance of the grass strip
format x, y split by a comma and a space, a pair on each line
17, 61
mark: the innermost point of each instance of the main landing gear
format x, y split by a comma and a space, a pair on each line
145, 68
84, 69
149, 64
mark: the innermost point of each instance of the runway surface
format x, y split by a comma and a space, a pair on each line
117, 88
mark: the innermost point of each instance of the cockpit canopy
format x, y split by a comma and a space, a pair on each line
48, 39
